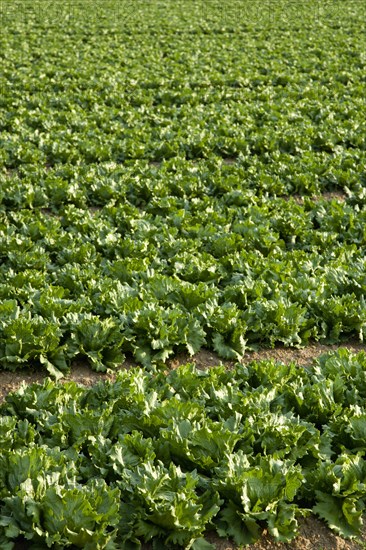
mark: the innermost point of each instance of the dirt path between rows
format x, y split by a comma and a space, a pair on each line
82, 373
313, 534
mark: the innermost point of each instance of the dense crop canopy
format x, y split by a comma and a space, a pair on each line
149, 154
166, 458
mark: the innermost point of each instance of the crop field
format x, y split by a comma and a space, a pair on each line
178, 176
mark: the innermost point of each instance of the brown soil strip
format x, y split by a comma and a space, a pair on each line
339, 196
82, 373
230, 160
313, 535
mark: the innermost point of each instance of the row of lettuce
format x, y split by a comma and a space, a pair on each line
167, 458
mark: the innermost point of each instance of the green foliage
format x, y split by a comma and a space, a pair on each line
165, 170
165, 457
148, 163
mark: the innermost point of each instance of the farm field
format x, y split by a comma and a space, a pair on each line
182, 184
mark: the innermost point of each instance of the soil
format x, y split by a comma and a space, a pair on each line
339, 196
313, 534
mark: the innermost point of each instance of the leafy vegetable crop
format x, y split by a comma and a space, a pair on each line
164, 458
149, 157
